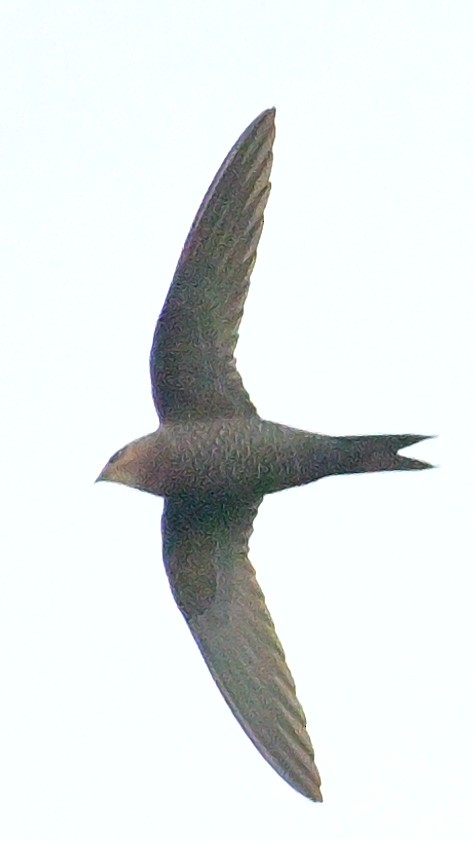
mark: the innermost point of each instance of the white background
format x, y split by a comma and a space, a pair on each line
115, 117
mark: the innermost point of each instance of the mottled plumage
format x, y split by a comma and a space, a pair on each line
213, 459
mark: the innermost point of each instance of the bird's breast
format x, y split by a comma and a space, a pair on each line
241, 456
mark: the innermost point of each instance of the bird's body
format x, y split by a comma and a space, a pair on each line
213, 459
250, 456
225, 456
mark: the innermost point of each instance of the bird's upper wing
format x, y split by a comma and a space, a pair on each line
205, 551
193, 372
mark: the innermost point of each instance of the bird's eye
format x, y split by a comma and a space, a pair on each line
116, 456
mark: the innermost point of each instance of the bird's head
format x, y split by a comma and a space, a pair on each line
135, 465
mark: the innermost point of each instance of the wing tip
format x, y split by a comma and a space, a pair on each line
263, 122
308, 784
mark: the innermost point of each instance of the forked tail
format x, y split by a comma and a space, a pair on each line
371, 453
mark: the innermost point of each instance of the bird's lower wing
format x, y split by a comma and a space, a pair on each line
206, 556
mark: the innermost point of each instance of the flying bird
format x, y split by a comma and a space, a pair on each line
213, 458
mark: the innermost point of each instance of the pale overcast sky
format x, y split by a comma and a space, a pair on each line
115, 117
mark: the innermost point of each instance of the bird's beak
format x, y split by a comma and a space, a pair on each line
102, 477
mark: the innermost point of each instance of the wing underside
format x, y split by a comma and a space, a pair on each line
215, 587
193, 371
